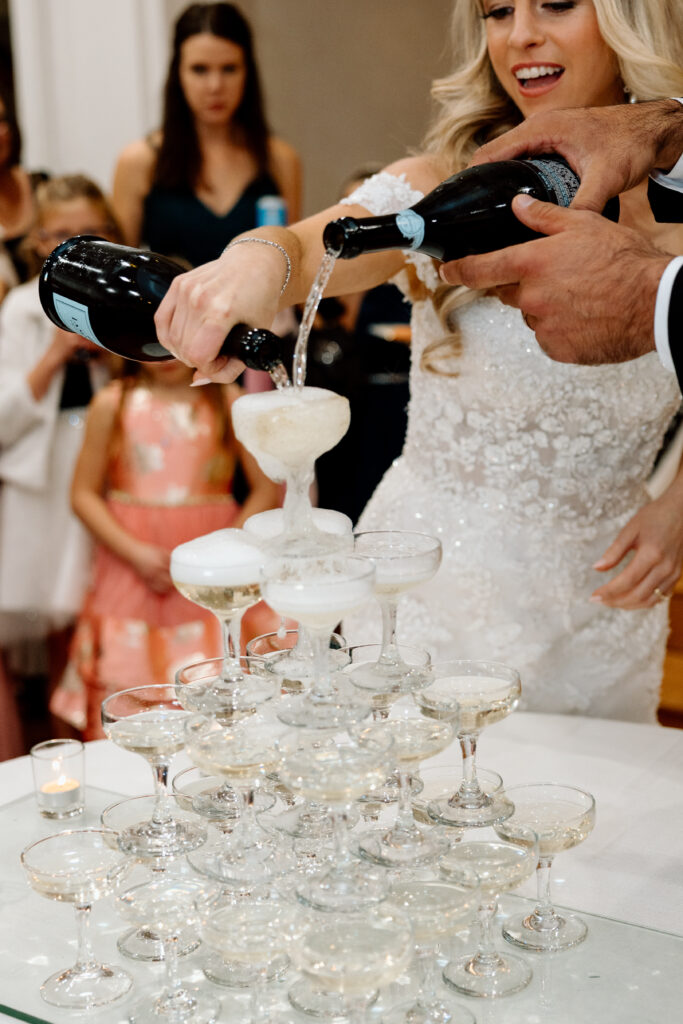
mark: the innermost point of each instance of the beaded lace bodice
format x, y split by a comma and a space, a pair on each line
527, 469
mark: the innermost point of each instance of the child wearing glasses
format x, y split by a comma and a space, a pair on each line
47, 377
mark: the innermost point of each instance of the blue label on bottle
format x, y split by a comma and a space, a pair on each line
412, 227
75, 317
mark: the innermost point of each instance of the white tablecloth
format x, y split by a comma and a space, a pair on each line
630, 868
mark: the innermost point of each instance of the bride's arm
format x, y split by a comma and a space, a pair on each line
245, 283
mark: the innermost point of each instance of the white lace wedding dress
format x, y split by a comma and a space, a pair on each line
526, 469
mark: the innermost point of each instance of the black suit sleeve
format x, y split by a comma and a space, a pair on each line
665, 203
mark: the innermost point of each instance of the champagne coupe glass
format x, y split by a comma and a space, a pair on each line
288, 654
150, 721
317, 593
196, 792
168, 908
337, 772
286, 431
563, 817
220, 572
402, 560
198, 692
477, 694
141, 943
292, 662
254, 935
384, 690
437, 910
413, 740
355, 954
79, 867
437, 784
499, 867
243, 756
270, 525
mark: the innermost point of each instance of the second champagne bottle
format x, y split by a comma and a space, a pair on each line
109, 294
467, 214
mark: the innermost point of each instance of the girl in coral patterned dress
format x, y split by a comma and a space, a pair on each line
156, 469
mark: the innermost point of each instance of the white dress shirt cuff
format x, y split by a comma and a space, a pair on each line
662, 340
674, 178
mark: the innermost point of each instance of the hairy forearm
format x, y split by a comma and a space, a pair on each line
668, 132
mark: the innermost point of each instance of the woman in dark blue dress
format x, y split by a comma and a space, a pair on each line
189, 188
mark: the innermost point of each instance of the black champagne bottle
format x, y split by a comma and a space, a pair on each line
467, 214
109, 294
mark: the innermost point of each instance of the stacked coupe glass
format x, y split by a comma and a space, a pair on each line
306, 859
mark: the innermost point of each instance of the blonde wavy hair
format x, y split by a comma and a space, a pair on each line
64, 189
647, 39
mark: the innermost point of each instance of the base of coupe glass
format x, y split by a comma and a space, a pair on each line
396, 850
511, 974
468, 814
237, 975
440, 1011
320, 1004
142, 944
82, 988
569, 931
191, 1005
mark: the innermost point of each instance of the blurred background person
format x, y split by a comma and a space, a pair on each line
17, 202
155, 470
187, 189
47, 378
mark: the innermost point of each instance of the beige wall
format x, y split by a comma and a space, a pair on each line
88, 79
347, 81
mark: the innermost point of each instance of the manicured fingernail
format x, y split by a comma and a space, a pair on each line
198, 382
595, 599
524, 200
599, 564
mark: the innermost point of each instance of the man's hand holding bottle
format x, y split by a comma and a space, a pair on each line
611, 149
589, 289
573, 285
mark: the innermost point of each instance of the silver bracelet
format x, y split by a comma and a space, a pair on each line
266, 241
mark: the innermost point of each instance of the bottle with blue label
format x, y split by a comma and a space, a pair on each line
468, 213
271, 211
109, 293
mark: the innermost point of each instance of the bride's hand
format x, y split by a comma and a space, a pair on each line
200, 307
655, 536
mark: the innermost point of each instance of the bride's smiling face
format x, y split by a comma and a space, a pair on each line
548, 55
